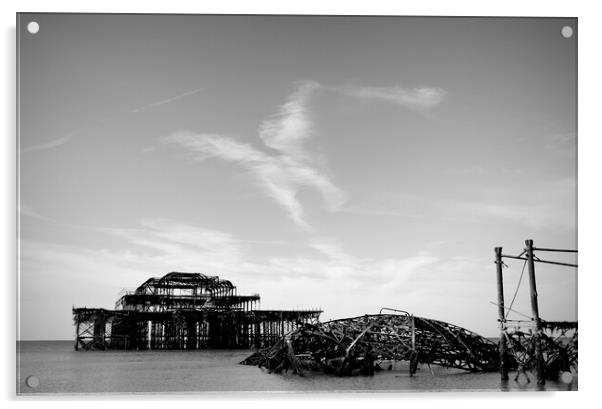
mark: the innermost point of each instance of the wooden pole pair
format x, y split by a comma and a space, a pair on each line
539, 361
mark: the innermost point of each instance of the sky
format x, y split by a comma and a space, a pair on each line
341, 163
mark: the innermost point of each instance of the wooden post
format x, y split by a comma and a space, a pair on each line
535, 311
281, 325
413, 323
77, 334
149, 329
98, 340
501, 313
413, 354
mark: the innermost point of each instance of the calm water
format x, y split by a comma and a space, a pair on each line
60, 369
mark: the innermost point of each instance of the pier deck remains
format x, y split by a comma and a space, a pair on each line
185, 311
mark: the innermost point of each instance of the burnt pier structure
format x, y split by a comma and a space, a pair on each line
549, 347
349, 345
185, 311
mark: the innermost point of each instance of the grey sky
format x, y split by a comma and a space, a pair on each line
343, 163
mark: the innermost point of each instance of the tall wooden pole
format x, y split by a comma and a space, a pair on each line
77, 334
501, 313
413, 333
535, 311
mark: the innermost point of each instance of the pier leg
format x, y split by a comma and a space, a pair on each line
501, 313
257, 334
77, 335
99, 331
149, 332
535, 310
413, 362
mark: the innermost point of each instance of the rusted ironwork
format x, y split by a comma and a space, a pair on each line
353, 345
185, 311
549, 347
558, 340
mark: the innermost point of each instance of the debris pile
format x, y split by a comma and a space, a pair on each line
559, 341
364, 344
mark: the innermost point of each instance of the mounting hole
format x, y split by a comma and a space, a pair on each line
566, 377
567, 31
33, 27
32, 381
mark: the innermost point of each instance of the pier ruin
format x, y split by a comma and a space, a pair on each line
196, 311
549, 347
351, 345
358, 345
185, 311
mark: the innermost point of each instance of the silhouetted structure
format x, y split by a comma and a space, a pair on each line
184, 311
349, 345
550, 347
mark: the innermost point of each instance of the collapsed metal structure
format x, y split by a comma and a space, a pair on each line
558, 342
185, 311
346, 346
549, 347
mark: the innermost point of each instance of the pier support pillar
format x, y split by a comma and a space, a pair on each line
99, 330
501, 313
535, 311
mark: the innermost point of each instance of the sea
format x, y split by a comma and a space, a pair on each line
54, 367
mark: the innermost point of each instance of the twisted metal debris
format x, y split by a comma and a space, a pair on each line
352, 345
559, 341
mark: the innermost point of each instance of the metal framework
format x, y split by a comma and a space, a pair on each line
558, 340
346, 346
549, 347
184, 311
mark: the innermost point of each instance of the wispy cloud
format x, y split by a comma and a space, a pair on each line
168, 244
161, 245
48, 145
170, 241
423, 98
166, 101
565, 143
291, 125
328, 277
381, 272
55, 143
550, 205
280, 174
25, 210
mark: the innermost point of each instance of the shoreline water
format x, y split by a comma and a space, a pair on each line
61, 370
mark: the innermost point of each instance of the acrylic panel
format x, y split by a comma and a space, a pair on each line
296, 203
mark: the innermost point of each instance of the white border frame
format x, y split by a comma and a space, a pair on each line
589, 191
